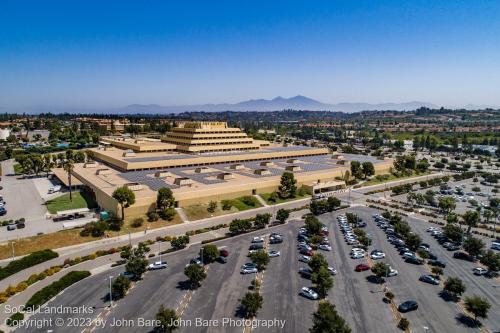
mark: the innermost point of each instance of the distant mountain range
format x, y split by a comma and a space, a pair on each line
278, 103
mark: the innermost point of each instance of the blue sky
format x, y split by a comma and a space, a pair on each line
115, 53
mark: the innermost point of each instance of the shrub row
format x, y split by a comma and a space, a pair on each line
30, 260
45, 294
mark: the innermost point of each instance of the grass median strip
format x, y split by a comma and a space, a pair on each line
44, 295
30, 260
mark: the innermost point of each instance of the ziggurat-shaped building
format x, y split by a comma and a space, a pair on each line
206, 161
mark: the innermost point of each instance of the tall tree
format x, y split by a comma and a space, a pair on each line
125, 198
327, 320
68, 167
471, 219
288, 185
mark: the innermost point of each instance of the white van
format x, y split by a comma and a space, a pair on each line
495, 246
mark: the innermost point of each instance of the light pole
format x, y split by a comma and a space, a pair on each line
159, 250
110, 292
13, 251
201, 255
129, 238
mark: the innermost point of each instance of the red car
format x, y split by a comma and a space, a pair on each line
307, 252
224, 253
361, 268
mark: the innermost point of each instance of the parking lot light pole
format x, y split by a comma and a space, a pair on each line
13, 251
159, 250
201, 254
110, 292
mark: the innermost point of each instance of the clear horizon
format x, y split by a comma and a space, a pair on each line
103, 55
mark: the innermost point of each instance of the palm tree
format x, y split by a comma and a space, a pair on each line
68, 167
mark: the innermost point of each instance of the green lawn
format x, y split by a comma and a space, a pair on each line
63, 203
18, 169
198, 212
266, 197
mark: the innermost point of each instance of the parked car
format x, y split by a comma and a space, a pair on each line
157, 265
3, 211
257, 246
305, 259
224, 253
325, 247
435, 262
221, 259
463, 256
332, 270
308, 293
257, 239
414, 260
408, 306
305, 272
361, 268
479, 271
128, 275
11, 226
273, 253
248, 270
429, 279
378, 255
357, 255
392, 272
306, 252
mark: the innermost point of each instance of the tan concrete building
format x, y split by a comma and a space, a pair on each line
204, 161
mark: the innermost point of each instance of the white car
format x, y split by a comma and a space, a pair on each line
248, 270
305, 259
378, 255
479, 271
332, 270
274, 253
308, 293
392, 272
54, 189
257, 240
325, 247
157, 265
357, 249
357, 255
431, 229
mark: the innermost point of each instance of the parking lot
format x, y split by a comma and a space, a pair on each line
358, 299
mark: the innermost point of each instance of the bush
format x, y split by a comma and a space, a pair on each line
153, 216
136, 223
30, 260
15, 319
45, 294
94, 229
226, 204
249, 200
168, 214
403, 324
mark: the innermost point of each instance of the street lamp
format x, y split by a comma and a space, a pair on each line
13, 251
159, 250
110, 292
201, 255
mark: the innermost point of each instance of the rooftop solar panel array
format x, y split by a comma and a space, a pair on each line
306, 164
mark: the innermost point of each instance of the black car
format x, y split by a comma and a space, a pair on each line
453, 247
221, 259
20, 225
275, 240
305, 273
257, 246
3, 211
414, 260
435, 262
463, 256
491, 274
429, 279
408, 306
